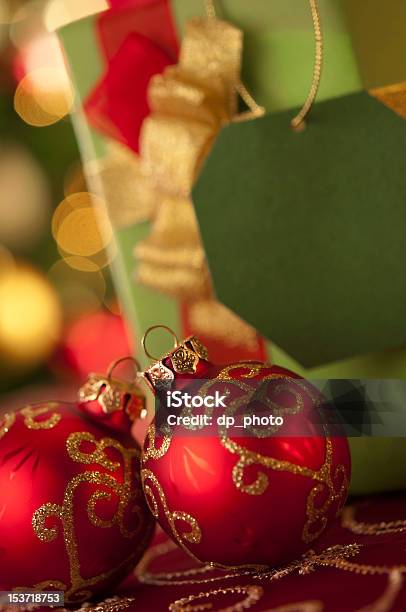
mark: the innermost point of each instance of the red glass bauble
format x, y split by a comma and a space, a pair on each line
242, 496
72, 512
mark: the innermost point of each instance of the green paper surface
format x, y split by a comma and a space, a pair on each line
315, 221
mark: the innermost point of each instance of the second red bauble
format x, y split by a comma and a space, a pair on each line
243, 498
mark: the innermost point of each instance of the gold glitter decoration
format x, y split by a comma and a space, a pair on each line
326, 482
323, 477
110, 394
7, 420
200, 350
194, 535
392, 96
112, 604
348, 521
254, 369
100, 388
150, 451
253, 594
184, 360
31, 414
79, 588
161, 376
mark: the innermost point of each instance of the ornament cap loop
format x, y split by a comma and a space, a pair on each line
151, 329
183, 358
115, 395
114, 364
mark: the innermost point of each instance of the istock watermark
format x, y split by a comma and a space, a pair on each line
176, 399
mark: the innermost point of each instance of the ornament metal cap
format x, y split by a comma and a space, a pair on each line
113, 394
182, 359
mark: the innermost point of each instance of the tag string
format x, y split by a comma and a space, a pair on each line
254, 108
298, 122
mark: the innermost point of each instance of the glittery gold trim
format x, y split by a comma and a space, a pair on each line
79, 588
194, 535
30, 414
100, 388
112, 604
335, 485
6, 422
253, 594
348, 521
392, 96
200, 350
184, 360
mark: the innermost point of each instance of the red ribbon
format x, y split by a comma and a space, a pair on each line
138, 39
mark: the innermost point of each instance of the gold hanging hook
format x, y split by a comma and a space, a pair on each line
152, 328
117, 362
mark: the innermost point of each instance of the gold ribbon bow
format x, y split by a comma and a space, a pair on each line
189, 102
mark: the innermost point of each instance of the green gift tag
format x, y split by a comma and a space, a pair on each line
305, 232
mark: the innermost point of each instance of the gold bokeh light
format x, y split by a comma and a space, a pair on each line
81, 226
44, 96
30, 316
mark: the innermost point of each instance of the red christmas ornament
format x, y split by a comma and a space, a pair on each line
241, 496
72, 513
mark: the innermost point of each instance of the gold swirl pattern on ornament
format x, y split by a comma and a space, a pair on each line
254, 369
6, 423
261, 394
348, 521
79, 589
31, 413
252, 592
150, 451
326, 481
193, 536
98, 455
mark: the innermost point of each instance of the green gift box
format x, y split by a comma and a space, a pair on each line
277, 66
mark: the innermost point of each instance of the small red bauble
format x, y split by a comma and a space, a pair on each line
241, 496
72, 512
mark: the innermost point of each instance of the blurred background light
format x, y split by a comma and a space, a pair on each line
81, 227
80, 290
25, 198
30, 316
43, 97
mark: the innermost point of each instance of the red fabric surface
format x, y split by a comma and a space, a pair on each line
137, 40
337, 590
